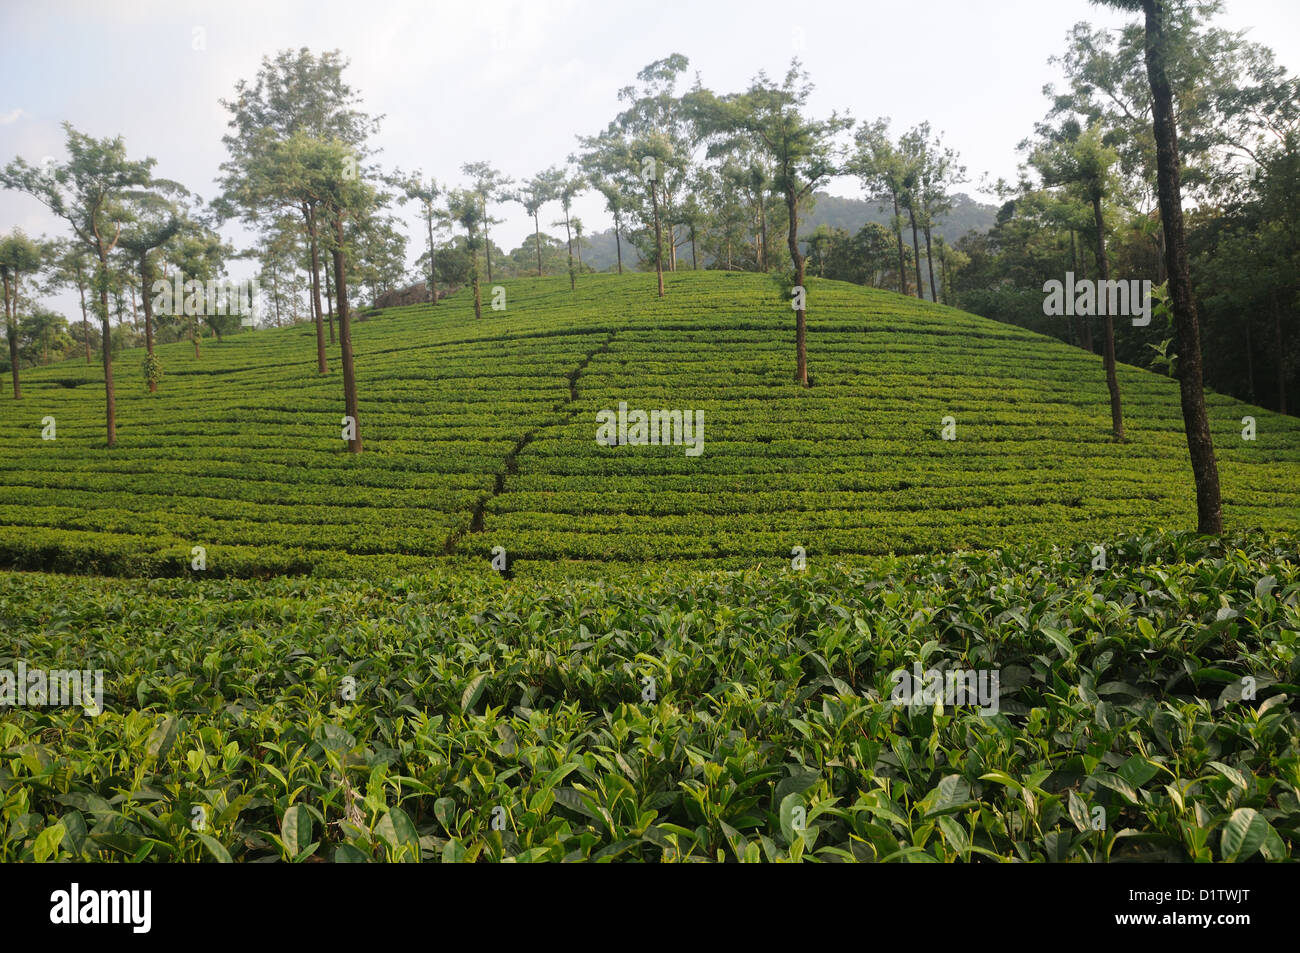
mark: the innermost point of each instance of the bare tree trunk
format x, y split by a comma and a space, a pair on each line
1200, 444
916, 250
10, 310
329, 304
659, 242
148, 316
433, 266
929, 264
568, 237
1108, 324
898, 231
85, 321
762, 231
317, 310
478, 302
943, 271
800, 324
110, 398
537, 240
487, 240
345, 340
618, 244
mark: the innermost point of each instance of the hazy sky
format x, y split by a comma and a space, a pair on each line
514, 82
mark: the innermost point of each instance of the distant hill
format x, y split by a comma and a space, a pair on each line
834, 211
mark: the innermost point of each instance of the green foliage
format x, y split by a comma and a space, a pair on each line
152, 369
230, 730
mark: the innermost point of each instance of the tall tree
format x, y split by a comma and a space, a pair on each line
940, 173
464, 207
490, 186
328, 172
297, 91
88, 191
155, 220
1077, 158
69, 270
802, 151
1200, 444
535, 193
879, 165
568, 188
426, 193
608, 164
19, 257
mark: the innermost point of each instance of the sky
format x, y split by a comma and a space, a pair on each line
514, 83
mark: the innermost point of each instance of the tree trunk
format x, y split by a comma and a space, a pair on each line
1200, 444
568, 238
433, 266
762, 232
659, 242
317, 310
487, 240
148, 316
898, 231
196, 334
943, 271
916, 250
1108, 324
329, 302
473, 271
345, 340
618, 244
275, 294
800, 325
85, 321
11, 325
929, 264
695, 264
110, 397
537, 240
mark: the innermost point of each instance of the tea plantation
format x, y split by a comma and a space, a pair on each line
481, 433
690, 657
671, 715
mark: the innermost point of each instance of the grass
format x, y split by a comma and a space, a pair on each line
481, 434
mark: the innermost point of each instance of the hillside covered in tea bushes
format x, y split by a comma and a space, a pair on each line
482, 433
